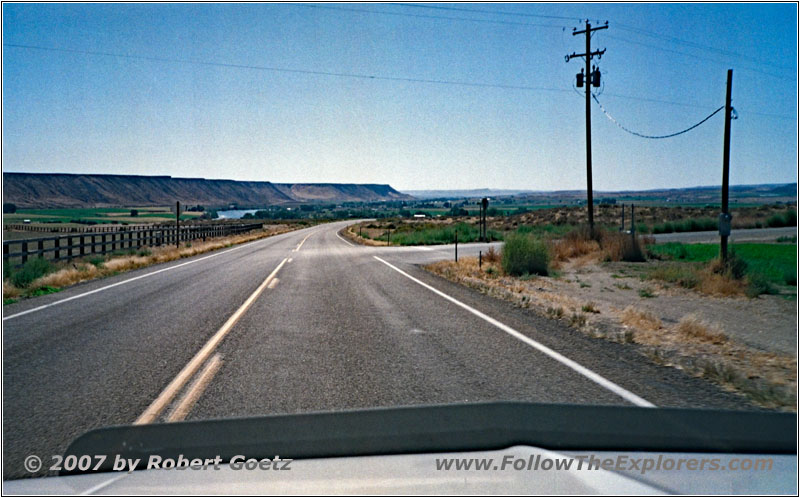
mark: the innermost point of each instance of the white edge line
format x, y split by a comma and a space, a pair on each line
589, 374
99, 289
102, 485
342, 238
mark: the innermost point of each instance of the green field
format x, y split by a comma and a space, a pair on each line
99, 215
776, 262
410, 235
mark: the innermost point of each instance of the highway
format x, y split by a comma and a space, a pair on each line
298, 322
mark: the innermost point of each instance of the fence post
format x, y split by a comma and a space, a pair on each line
103, 250
480, 260
57, 245
40, 248
24, 252
456, 247
622, 226
83, 245
5, 254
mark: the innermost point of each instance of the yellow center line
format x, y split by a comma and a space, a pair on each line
195, 389
301, 243
168, 394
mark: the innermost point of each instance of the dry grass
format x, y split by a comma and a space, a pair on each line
619, 246
693, 345
492, 256
640, 319
350, 234
79, 272
715, 284
694, 328
574, 244
67, 276
9, 291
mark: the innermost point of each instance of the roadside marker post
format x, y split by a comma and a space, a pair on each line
456, 247
480, 260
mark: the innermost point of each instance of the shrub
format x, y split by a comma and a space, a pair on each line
524, 254
735, 267
685, 276
787, 219
758, 284
491, 256
575, 243
646, 293
621, 247
30, 271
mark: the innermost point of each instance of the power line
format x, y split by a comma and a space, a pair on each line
288, 70
495, 12
359, 76
699, 46
623, 26
687, 54
426, 16
610, 117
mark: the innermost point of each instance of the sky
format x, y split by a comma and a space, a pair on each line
418, 96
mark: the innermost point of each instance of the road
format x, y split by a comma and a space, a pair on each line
296, 322
740, 235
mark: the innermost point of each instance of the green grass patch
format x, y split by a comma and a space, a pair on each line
423, 234
44, 290
777, 263
9, 300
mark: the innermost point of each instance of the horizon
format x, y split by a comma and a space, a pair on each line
415, 97
519, 190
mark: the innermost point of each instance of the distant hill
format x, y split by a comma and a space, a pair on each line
59, 190
457, 194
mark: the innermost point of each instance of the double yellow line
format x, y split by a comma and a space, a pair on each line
168, 394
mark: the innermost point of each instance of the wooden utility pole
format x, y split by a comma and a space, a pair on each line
725, 217
589, 80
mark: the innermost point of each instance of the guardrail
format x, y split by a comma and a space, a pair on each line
67, 247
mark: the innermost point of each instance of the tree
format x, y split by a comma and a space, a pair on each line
134, 213
9, 208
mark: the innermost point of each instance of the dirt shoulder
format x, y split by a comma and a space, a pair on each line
745, 345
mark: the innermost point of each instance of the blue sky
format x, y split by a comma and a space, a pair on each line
75, 110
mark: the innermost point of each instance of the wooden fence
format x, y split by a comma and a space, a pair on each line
22, 227
67, 247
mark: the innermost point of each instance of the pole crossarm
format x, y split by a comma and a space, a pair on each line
598, 53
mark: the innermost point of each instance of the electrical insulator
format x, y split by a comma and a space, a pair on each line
596, 78
579, 79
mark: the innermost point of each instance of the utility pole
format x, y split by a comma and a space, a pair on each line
725, 217
592, 79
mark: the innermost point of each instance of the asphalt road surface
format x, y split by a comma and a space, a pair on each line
297, 322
